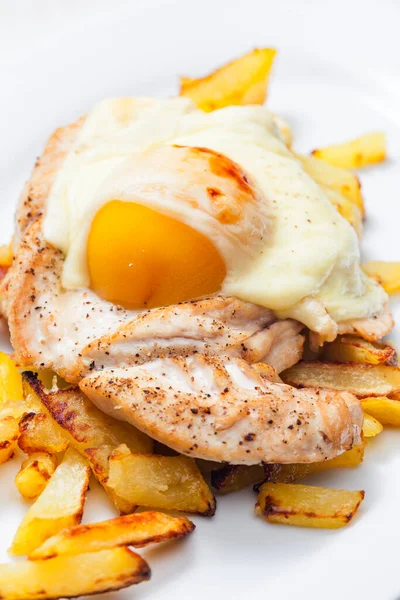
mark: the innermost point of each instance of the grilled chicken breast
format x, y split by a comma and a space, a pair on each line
159, 369
224, 410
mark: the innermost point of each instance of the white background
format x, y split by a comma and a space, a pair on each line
337, 75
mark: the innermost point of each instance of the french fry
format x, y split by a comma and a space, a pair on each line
307, 506
231, 478
9, 433
136, 530
386, 411
90, 431
185, 83
39, 433
291, 473
34, 474
361, 379
71, 576
242, 81
371, 427
59, 506
336, 178
386, 273
350, 348
365, 150
11, 394
162, 482
86, 425
6, 255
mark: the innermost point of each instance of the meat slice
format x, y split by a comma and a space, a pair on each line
286, 346
49, 326
217, 326
372, 329
226, 410
74, 332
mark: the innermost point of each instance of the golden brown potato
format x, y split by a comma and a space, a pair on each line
59, 506
162, 482
185, 83
87, 426
307, 506
231, 478
386, 273
40, 433
94, 434
335, 178
72, 576
11, 394
34, 474
350, 348
137, 530
291, 473
345, 207
360, 379
365, 150
9, 433
371, 427
386, 411
242, 81
6, 255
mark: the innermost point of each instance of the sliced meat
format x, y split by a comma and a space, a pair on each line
225, 410
222, 409
214, 326
74, 332
49, 326
372, 329
286, 346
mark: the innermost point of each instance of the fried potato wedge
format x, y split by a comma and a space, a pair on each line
9, 434
6, 255
386, 273
59, 506
307, 506
371, 426
185, 83
361, 379
232, 478
336, 178
276, 473
137, 530
242, 81
350, 348
72, 576
365, 150
345, 207
11, 394
39, 433
386, 411
34, 474
87, 426
162, 482
94, 434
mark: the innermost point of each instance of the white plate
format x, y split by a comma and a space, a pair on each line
336, 76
